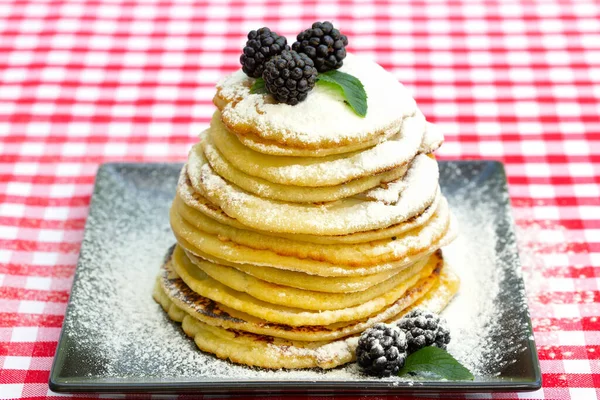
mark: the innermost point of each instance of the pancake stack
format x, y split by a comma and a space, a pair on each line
298, 227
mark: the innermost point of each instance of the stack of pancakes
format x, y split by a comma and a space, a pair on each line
298, 227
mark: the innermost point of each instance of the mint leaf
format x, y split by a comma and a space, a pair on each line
351, 88
433, 360
258, 87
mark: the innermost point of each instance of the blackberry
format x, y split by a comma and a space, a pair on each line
289, 77
423, 328
262, 44
324, 44
381, 350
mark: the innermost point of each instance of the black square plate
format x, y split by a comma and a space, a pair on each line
116, 339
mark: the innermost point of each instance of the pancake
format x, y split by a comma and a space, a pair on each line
170, 288
313, 171
299, 280
345, 216
332, 124
364, 254
301, 298
299, 227
296, 194
227, 341
196, 202
432, 139
271, 148
428, 241
201, 283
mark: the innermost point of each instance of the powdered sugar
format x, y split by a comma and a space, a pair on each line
388, 193
432, 138
492, 293
114, 320
337, 350
117, 332
323, 117
342, 217
321, 171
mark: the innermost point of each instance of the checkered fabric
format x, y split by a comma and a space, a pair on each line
85, 82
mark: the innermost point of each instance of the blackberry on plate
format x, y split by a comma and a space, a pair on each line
262, 44
381, 350
324, 44
424, 328
289, 77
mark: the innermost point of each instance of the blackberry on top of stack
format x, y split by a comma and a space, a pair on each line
299, 222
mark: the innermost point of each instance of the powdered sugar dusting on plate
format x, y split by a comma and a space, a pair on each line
484, 255
117, 332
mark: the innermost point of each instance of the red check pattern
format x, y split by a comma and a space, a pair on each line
85, 82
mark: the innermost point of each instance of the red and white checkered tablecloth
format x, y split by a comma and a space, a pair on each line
84, 82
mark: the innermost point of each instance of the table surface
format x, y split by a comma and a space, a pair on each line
83, 83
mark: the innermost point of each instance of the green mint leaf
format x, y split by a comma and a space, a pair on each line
258, 87
433, 360
351, 88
